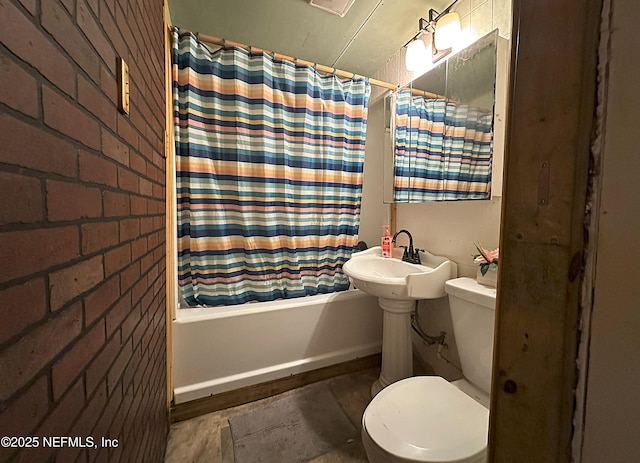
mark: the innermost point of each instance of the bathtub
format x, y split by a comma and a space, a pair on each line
225, 348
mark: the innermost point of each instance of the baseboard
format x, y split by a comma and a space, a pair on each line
191, 409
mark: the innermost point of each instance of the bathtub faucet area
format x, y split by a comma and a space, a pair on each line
410, 255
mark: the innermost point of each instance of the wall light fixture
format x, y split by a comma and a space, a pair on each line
445, 30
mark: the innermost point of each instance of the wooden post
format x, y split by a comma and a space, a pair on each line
553, 78
170, 168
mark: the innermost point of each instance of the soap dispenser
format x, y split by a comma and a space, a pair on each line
386, 242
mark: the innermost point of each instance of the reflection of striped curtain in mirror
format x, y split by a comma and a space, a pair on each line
443, 150
269, 160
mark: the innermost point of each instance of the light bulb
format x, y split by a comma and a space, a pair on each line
447, 31
416, 56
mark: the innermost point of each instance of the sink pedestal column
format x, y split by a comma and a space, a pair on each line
397, 354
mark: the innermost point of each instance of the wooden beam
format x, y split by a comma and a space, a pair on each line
553, 77
170, 228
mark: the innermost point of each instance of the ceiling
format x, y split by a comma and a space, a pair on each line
361, 41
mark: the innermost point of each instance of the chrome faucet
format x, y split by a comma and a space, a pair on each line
410, 255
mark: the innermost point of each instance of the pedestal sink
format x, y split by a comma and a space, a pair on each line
398, 284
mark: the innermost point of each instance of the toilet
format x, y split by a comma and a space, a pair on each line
428, 419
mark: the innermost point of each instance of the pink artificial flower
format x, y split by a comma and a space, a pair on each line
486, 256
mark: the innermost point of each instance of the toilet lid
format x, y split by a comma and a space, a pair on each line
426, 418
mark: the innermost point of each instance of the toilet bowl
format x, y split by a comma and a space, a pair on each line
428, 419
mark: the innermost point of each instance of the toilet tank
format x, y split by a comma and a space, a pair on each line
473, 313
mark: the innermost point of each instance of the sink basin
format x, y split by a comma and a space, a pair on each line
392, 278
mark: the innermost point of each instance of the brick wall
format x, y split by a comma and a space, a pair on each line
82, 269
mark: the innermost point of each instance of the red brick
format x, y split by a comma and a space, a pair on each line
115, 372
127, 132
158, 159
21, 199
95, 35
156, 174
28, 146
138, 205
59, 421
31, 251
158, 222
94, 6
58, 23
115, 204
38, 51
20, 306
90, 414
72, 281
129, 229
61, 418
18, 88
114, 148
145, 263
75, 361
129, 276
134, 363
146, 188
149, 115
117, 314
113, 32
140, 288
108, 414
22, 360
108, 83
159, 207
158, 191
98, 235
123, 25
21, 417
62, 115
96, 303
100, 365
136, 119
116, 426
69, 5
154, 239
137, 163
96, 169
70, 201
146, 150
116, 259
140, 331
29, 5
127, 180
94, 100
138, 248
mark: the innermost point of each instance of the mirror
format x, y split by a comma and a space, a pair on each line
440, 142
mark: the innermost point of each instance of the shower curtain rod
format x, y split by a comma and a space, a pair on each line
319, 67
316, 66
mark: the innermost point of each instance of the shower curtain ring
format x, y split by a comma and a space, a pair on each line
334, 72
224, 44
250, 50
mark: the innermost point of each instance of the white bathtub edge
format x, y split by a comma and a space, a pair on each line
207, 388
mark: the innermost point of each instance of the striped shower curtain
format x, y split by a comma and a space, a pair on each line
443, 150
269, 160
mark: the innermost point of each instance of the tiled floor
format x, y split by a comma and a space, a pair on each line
208, 438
